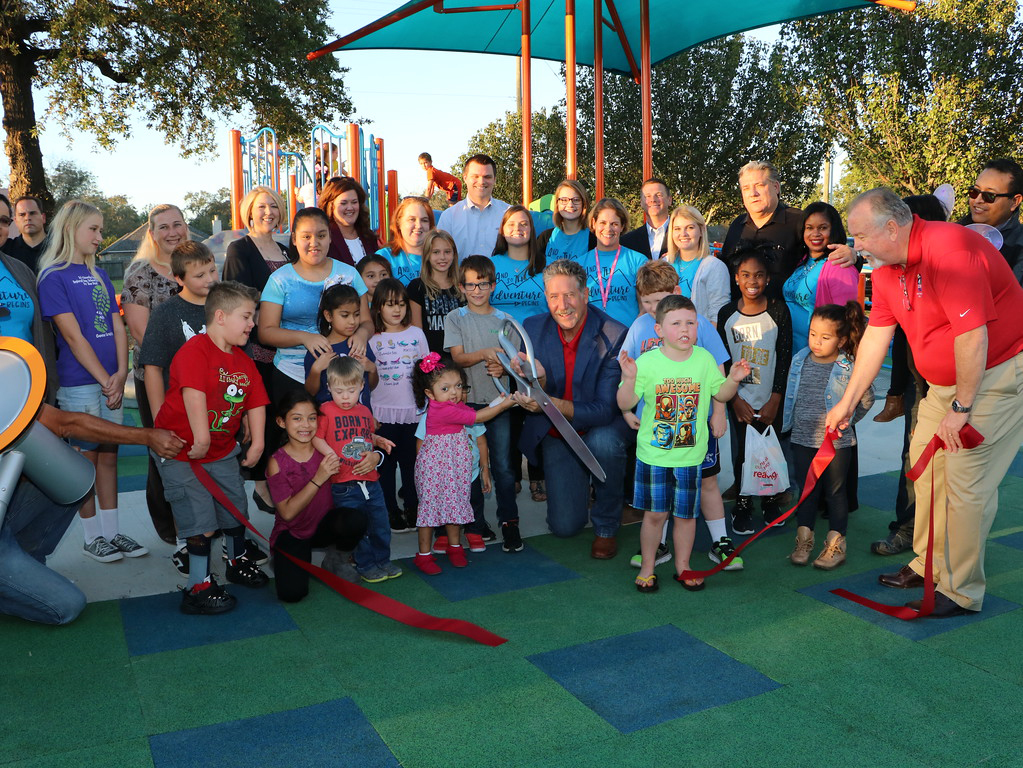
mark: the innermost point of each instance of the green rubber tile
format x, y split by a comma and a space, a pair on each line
985, 645
925, 702
132, 465
55, 710
503, 715
133, 752
229, 681
97, 635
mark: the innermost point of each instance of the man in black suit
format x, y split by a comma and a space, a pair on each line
651, 237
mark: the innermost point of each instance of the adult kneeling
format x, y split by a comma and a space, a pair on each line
576, 345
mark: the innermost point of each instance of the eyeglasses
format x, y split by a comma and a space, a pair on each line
570, 201
5, 221
484, 286
988, 197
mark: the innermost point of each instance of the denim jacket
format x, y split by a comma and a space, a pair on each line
837, 382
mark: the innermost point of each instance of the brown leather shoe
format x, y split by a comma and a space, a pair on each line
604, 547
893, 408
944, 607
906, 578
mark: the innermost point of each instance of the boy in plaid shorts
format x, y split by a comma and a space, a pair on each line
676, 381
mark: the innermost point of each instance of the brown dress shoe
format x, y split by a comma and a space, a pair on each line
905, 578
604, 547
893, 408
944, 607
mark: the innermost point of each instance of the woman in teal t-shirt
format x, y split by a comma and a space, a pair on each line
412, 219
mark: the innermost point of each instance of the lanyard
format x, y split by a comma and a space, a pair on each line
605, 292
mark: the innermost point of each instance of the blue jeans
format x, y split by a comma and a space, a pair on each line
499, 442
374, 549
568, 483
32, 528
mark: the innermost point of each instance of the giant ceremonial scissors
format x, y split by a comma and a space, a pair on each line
532, 389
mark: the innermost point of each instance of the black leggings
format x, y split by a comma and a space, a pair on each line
403, 457
831, 485
342, 528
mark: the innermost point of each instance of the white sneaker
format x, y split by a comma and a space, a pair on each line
102, 550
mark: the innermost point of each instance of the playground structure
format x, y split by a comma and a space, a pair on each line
260, 161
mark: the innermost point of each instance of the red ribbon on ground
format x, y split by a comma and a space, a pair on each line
970, 438
358, 594
820, 462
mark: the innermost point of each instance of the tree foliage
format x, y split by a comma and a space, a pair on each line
916, 99
68, 181
202, 207
179, 65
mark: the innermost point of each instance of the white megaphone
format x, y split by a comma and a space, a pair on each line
60, 472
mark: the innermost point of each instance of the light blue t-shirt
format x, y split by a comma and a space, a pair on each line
562, 246
800, 292
686, 271
642, 338
405, 267
16, 307
622, 302
300, 306
471, 432
517, 292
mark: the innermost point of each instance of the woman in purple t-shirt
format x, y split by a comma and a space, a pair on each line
92, 360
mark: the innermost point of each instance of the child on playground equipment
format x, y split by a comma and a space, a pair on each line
450, 185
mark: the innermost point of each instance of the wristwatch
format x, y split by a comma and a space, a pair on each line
960, 408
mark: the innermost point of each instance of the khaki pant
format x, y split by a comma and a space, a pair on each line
966, 483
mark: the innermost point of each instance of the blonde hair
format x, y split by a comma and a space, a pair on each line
60, 243
245, 209
688, 213
397, 242
148, 249
426, 271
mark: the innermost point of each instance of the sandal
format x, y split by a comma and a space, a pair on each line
537, 490
647, 583
693, 585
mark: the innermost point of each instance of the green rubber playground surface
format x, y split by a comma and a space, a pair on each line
765, 667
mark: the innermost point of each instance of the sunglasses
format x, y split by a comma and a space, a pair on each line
987, 197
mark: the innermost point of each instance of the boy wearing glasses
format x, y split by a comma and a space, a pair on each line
471, 338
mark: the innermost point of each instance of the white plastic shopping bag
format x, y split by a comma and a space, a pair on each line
764, 473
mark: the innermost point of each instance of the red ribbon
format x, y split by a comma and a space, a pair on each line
970, 438
820, 462
358, 594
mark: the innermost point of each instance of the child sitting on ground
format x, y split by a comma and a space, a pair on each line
676, 380
214, 385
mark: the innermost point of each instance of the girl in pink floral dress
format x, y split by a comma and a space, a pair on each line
444, 463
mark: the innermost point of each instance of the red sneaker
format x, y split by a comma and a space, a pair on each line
427, 564
456, 556
440, 545
476, 543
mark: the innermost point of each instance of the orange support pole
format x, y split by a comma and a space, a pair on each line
527, 106
392, 195
292, 196
648, 120
354, 160
237, 183
598, 97
570, 127
381, 197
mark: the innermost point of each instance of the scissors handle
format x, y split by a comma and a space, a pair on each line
513, 352
523, 384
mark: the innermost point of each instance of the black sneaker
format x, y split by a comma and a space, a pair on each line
252, 552
206, 598
742, 516
245, 572
411, 515
180, 560
772, 511
663, 555
512, 537
722, 549
398, 524
487, 534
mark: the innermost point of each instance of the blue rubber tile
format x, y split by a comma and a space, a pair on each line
866, 585
667, 674
878, 491
155, 623
1016, 468
127, 483
495, 572
1014, 540
334, 734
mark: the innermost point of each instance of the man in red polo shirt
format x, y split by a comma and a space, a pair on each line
959, 304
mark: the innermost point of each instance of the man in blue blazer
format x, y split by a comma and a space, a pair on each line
576, 345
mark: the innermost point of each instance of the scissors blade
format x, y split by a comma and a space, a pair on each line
571, 436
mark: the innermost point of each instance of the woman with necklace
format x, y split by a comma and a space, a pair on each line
611, 268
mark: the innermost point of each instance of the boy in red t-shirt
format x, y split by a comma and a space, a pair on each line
213, 387
450, 185
345, 428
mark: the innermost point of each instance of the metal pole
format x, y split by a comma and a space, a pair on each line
648, 133
236, 180
598, 97
570, 126
527, 107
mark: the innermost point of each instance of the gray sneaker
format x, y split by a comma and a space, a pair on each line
393, 570
340, 564
895, 544
102, 550
127, 546
374, 575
